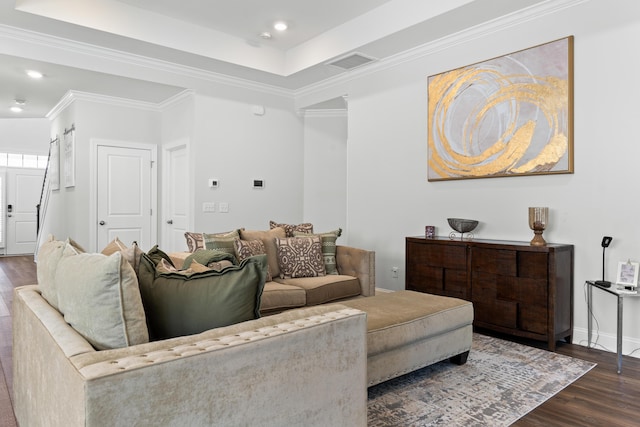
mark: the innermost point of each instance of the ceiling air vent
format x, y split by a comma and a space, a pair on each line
351, 61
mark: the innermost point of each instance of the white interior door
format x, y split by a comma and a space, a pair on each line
23, 195
176, 195
124, 196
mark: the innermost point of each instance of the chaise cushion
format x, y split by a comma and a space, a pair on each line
178, 305
399, 318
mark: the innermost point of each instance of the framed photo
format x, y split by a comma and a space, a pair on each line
69, 146
627, 273
507, 116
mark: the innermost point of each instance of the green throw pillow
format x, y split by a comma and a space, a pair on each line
155, 255
206, 256
178, 305
221, 242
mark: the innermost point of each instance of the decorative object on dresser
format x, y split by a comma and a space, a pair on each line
516, 288
538, 221
462, 226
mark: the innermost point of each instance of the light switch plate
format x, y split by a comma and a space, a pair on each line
208, 207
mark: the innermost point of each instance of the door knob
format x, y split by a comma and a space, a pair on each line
102, 223
170, 222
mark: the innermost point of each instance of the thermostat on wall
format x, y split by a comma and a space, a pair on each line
258, 183
213, 182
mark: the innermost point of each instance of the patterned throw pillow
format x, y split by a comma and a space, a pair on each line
194, 241
221, 242
300, 257
328, 248
268, 239
249, 248
290, 228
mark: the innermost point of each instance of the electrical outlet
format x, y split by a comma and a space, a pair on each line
394, 272
223, 207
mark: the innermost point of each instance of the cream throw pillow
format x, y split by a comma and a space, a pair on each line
99, 297
49, 255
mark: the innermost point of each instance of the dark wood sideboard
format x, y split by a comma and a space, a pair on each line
516, 288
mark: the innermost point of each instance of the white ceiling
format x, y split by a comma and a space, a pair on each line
212, 38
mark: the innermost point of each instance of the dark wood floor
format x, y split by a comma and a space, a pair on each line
599, 398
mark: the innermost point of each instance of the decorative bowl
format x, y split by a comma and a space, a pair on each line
462, 225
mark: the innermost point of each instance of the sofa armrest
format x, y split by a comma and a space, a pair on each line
302, 367
359, 263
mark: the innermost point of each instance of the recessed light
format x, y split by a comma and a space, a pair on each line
265, 35
16, 109
280, 26
34, 74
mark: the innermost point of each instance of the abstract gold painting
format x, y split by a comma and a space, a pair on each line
508, 116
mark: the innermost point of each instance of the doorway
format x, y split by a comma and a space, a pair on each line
20, 194
125, 193
176, 194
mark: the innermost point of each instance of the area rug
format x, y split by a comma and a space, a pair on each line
501, 382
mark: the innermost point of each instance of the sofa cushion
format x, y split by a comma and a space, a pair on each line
323, 289
221, 242
179, 305
300, 257
328, 240
195, 241
248, 248
306, 227
268, 239
98, 296
278, 297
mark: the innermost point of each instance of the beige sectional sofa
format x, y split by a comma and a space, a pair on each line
357, 278
303, 367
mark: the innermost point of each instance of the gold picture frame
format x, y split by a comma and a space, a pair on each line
508, 116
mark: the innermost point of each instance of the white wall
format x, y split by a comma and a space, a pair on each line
387, 146
325, 171
234, 145
27, 136
92, 120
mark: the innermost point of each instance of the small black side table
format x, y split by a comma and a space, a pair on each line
620, 295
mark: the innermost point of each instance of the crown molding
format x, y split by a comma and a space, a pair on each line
73, 95
176, 99
461, 37
85, 49
325, 113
